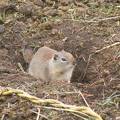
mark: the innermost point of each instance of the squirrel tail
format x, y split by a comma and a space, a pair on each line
27, 54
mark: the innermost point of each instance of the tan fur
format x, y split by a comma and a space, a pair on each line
27, 55
44, 66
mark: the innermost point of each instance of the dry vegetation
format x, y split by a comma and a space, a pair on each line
89, 29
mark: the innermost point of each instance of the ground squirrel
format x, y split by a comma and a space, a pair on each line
48, 64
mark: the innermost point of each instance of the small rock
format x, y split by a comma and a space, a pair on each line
3, 52
66, 2
26, 9
51, 12
2, 28
19, 27
39, 3
46, 26
54, 31
106, 73
65, 39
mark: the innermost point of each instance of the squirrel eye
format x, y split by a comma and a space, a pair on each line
55, 57
63, 59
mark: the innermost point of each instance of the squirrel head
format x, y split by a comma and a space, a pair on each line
64, 59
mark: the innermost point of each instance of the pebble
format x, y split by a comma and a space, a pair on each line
2, 28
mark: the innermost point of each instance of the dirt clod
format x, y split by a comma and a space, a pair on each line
2, 28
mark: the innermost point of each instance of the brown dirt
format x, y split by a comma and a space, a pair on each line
61, 25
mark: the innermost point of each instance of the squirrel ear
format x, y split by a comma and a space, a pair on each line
62, 50
55, 57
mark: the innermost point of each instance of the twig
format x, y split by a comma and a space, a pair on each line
55, 104
109, 18
21, 68
104, 19
70, 110
65, 93
80, 93
3, 116
109, 46
43, 116
79, 116
96, 21
89, 58
38, 114
97, 82
84, 98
